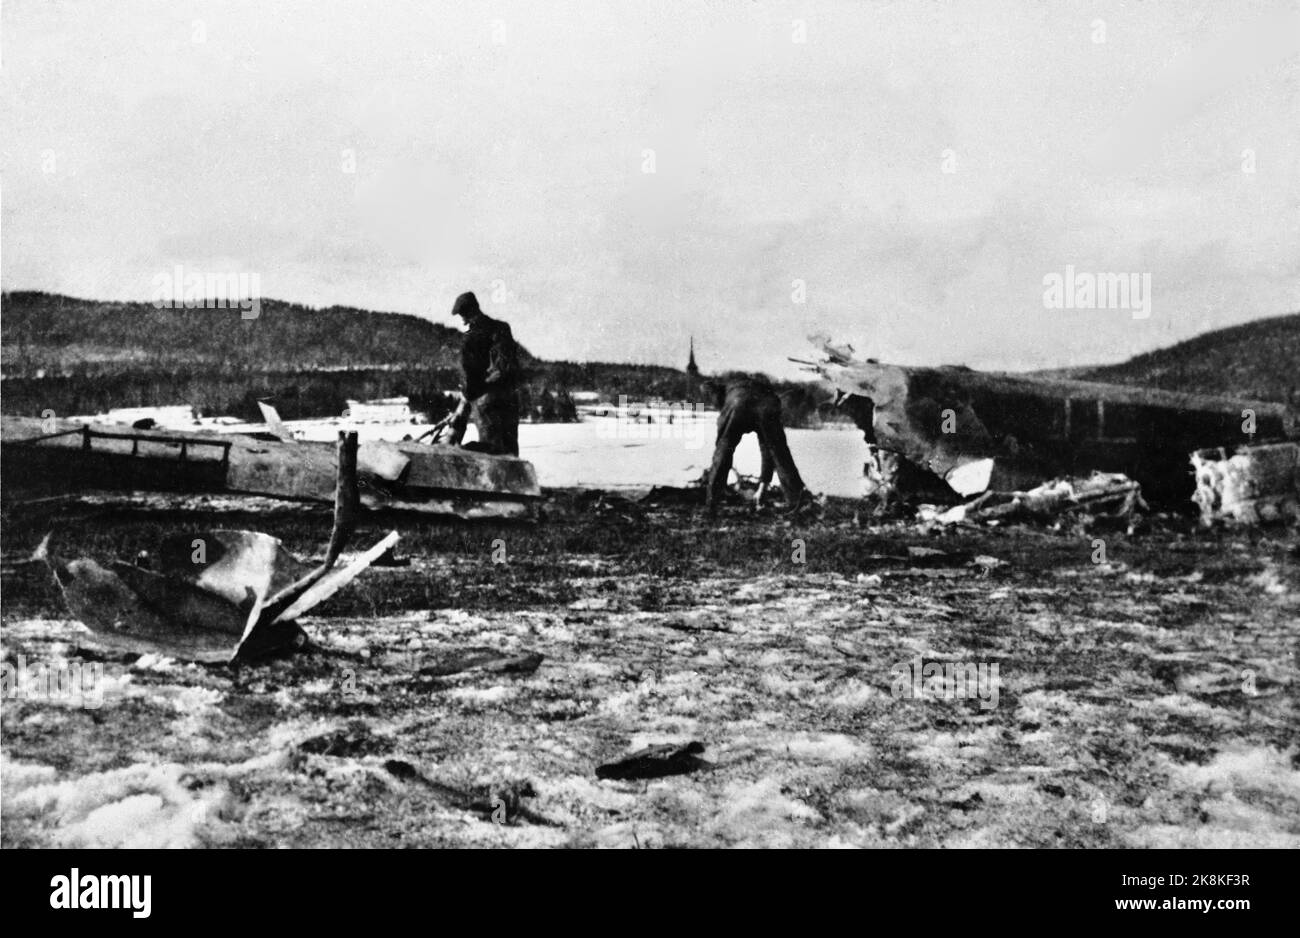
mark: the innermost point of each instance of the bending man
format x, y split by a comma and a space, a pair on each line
750, 405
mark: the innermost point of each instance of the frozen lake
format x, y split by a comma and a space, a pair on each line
599, 454
609, 452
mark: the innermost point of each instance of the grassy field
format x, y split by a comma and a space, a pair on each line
1145, 698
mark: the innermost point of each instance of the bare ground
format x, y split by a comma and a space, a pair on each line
1146, 700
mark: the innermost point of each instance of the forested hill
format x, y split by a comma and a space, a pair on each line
1259, 360
59, 334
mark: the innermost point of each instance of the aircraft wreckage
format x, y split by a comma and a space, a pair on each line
216, 596
44, 457
988, 432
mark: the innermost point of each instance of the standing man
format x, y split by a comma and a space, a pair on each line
490, 361
749, 405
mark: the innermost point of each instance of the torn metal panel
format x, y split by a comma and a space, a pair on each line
984, 431
1256, 484
228, 563
274, 425
121, 617
218, 595
382, 460
335, 580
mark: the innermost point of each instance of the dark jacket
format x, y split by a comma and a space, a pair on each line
489, 358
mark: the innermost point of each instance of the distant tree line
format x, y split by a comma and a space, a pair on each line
44, 333
84, 357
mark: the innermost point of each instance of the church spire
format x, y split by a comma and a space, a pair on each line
691, 368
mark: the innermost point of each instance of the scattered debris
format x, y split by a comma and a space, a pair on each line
482, 660
611, 507
695, 624
1102, 494
501, 804
920, 557
655, 762
1256, 484
347, 742
218, 595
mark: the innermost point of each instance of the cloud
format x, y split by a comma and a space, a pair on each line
508, 143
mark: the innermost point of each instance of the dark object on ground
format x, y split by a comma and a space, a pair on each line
483, 660
655, 762
613, 507
351, 742
500, 804
390, 559
674, 495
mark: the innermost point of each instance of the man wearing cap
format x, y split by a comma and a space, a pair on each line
751, 405
490, 361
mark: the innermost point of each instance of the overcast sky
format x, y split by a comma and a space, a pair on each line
919, 168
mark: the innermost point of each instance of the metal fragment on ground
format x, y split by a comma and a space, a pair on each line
655, 762
1256, 484
216, 595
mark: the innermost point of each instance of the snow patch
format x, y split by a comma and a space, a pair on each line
141, 806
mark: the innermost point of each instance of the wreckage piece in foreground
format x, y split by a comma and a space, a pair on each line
983, 431
1101, 495
217, 595
1256, 484
58, 457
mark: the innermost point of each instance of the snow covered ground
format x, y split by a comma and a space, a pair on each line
1144, 701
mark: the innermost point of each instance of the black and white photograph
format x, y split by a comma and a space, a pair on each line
648, 425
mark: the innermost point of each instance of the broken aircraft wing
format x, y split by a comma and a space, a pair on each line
985, 431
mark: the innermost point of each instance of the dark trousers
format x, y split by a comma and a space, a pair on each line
761, 416
496, 415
